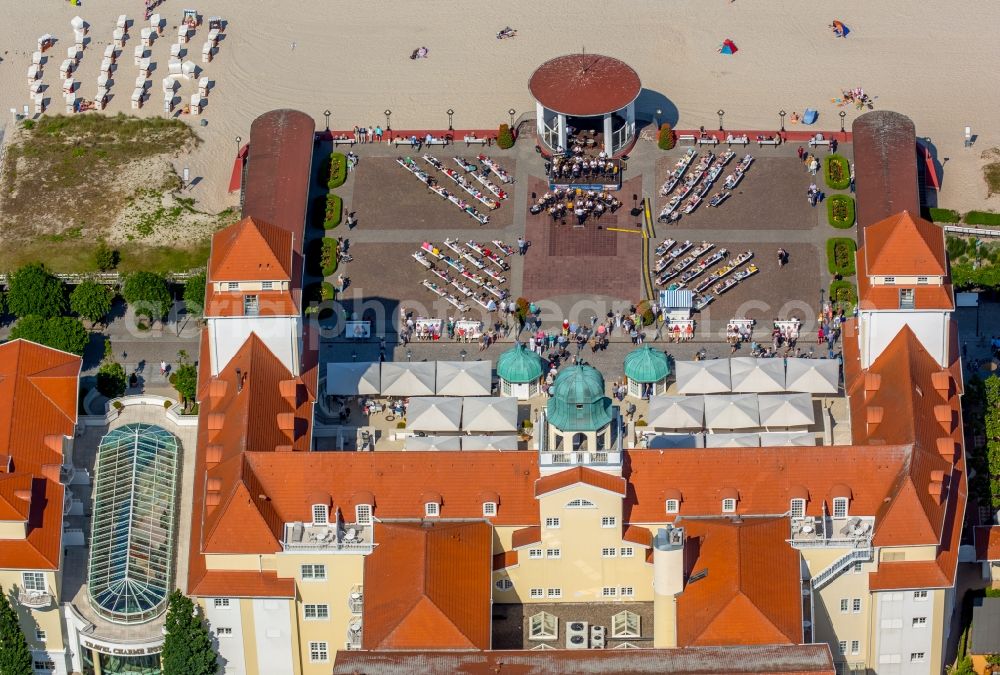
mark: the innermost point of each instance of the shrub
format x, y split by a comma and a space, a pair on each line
338, 170
844, 293
641, 423
148, 294
59, 332
316, 293
91, 300
645, 313
111, 379
982, 218
944, 215
667, 137
28, 124
521, 308
334, 211
117, 405
956, 247
837, 171
105, 257
328, 258
33, 290
194, 293
527, 424
840, 211
505, 137
840, 255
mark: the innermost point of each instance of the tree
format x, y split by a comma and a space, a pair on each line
187, 647
15, 659
58, 332
185, 379
148, 294
505, 137
32, 289
667, 137
111, 379
194, 293
91, 300
105, 257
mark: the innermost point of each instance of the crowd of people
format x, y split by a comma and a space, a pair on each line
579, 166
580, 203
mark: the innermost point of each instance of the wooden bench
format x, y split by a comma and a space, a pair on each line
742, 140
813, 142
473, 140
399, 140
343, 141
711, 140
686, 137
768, 141
436, 141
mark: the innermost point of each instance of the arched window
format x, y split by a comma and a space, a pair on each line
581, 504
579, 441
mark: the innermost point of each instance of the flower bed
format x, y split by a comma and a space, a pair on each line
334, 211
844, 293
840, 256
328, 257
840, 211
316, 293
338, 170
837, 171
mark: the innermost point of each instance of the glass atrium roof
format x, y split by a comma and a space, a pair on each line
131, 547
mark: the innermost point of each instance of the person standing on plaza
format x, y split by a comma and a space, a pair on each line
163, 368
522, 246
801, 151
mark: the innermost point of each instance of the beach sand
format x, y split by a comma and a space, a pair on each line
934, 63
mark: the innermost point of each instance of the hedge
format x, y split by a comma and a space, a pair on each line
334, 211
844, 292
982, 218
944, 215
328, 258
840, 211
316, 293
837, 171
338, 170
840, 256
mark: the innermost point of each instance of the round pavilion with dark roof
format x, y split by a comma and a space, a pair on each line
585, 92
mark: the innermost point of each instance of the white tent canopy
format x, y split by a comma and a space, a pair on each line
352, 379
736, 411
757, 375
788, 438
432, 443
732, 440
489, 442
786, 410
703, 377
676, 412
815, 376
489, 414
434, 413
670, 441
408, 379
464, 378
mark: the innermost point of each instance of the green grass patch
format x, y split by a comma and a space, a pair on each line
991, 174
840, 211
837, 171
844, 293
338, 170
328, 259
334, 211
982, 218
944, 215
840, 256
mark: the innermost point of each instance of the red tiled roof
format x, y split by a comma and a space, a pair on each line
634, 534
427, 585
502, 561
903, 245
584, 84
269, 303
526, 536
750, 593
580, 474
885, 166
42, 549
239, 584
987, 542
251, 250
872, 296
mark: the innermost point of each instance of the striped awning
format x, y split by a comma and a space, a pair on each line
678, 299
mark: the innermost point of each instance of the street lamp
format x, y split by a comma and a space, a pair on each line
409, 355
511, 113
354, 356
387, 114
843, 114
781, 114
239, 140
327, 114
463, 354
659, 114
721, 113
450, 114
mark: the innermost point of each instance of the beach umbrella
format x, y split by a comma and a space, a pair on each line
728, 47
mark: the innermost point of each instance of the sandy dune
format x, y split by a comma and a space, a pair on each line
935, 63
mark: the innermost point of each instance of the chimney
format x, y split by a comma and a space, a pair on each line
946, 448
942, 413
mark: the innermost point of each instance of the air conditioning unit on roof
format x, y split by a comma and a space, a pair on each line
597, 635
577, 635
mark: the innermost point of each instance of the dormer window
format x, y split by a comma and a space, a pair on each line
432, 509
729, 505
233, 286
840, 507
267, 285
923, 280
489, 509
889, 281
363, 514
798, 508
673, 505
251, 305
320, 514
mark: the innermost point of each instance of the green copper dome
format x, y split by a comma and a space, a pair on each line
646, 365
518, 365
578, 402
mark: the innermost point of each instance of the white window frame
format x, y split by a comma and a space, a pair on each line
363, 514
920, 596
918, 657
42, 664
312, 572
841, 507
581, 504
609, 592
34, 581
233, 286
729, 505
626, 591
919, 622
845, 605
535, 554
543, 626
609, 521
319, 652
320, 612
608, 552
842, 647
889, 281
41, 635
626, 624
923, 280
221, 603
223, 632
553, 553
673, 505
432, 509
554, 593
626, 552
797, 508
267, 285
857, 568
855, 647
552, 523
503, 584
320, 514
536, 593
489, 509
856, 605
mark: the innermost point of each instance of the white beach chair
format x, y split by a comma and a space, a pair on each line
195, 104
156, 23
122, 22
137, 98
206, 52
39, 101
203, 85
